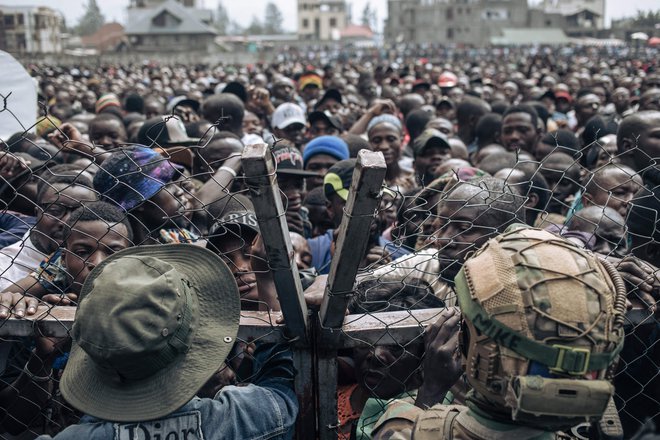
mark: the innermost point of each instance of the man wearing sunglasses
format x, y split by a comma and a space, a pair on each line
57, 197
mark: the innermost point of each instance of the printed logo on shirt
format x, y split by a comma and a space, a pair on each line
186, 426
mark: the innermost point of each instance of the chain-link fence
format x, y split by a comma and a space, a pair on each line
387, 263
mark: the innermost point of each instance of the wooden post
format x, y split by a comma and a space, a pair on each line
363, 200
265, 194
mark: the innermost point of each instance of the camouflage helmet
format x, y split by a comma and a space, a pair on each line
543, 326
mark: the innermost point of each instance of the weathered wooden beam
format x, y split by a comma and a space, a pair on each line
387, 328
57, 321
363, 200
261, 180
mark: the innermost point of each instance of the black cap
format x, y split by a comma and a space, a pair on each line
165, 131
237, 89
237, 220
330, 94
430, 138
327, 117
289, 161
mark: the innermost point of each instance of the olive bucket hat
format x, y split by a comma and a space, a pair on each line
153, 325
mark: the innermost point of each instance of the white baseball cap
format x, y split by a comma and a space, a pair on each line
287, 114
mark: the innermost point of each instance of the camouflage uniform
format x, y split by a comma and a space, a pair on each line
542, 330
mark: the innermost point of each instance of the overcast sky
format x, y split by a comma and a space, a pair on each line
115, 9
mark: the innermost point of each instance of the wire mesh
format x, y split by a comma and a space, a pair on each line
79, 192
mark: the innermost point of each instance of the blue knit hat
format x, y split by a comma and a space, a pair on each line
330, 145
129, 176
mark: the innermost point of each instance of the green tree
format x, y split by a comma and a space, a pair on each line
255, 27
273, 19
648, 19
91, 21
221, 20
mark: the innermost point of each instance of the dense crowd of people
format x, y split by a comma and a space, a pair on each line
521, 197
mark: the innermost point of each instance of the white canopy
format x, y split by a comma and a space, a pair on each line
18, 91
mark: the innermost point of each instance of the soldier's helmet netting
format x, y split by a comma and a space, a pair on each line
544, 326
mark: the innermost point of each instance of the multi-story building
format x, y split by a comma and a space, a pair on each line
30, 29
321, 20
452, 21
169, 25
578, 13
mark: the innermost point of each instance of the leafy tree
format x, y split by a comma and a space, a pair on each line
646, 20
273, 19
234, 28
222, 21
255, 27
91, 21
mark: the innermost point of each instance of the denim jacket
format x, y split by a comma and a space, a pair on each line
265, 409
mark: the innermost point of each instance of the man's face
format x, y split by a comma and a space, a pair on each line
88, 101
330, 105
321, 127
615, 189
335, 206
461, 226
310, 93
609, 233
518, 132
88, 244
292, 189
108, 133
510, 90
153, 108
611, 237
283, 91
303, 254
53, 209
319, 163
563, 105
621, 98
169, 208
386, 371
587, 106
294, 133
386, 139
236, 250
251, 124
650, 100
648, 143
427, 163
562, 187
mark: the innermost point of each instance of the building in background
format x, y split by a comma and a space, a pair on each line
108, 38
577, 18
30, 30
321, 20
169, 26
472, 22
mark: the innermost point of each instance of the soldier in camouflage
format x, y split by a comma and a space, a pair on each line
541, 332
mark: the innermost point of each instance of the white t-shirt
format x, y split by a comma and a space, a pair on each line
18, 260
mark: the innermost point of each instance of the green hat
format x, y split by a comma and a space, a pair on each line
153, 325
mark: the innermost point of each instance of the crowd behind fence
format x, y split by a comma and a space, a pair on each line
357, 329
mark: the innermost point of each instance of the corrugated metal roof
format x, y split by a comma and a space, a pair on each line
525, 36
189, 23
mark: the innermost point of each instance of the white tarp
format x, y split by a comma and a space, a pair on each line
22, 101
